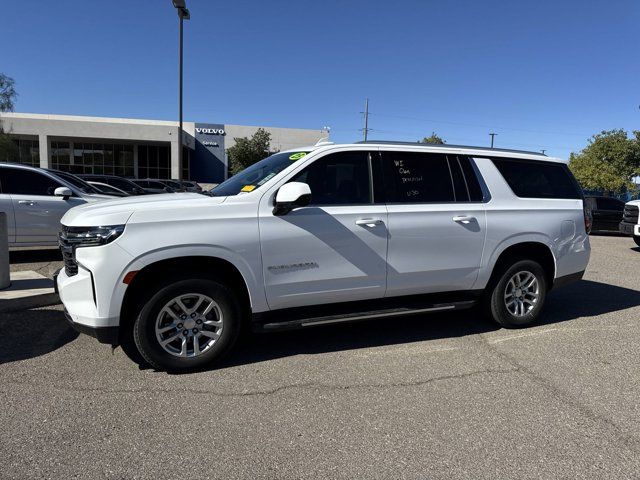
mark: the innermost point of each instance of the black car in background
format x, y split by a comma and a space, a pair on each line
175, 185
151, 185
606, 213
122, 183
190, 186
76, 181
109, 189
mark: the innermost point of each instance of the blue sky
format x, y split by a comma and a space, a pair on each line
543, 74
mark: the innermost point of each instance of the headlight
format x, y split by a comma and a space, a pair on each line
90, 236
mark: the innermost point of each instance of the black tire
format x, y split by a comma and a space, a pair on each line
495, 304
637, 240
144, 328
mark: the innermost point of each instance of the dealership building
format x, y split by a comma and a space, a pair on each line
134, 147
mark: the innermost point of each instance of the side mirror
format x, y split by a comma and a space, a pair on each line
292, 195
63, 192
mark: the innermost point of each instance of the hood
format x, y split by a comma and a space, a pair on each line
634, 202
117, 211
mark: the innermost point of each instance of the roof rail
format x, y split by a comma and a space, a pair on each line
447, 145
323, 141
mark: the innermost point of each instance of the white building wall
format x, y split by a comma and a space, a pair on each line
281, 138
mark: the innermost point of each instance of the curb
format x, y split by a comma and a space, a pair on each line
27, 303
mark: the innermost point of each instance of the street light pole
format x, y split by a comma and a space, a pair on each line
492, 135
183, 14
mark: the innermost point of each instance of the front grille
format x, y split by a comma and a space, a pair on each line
630, 214
68, 253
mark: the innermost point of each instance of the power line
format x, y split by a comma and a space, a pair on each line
588, 135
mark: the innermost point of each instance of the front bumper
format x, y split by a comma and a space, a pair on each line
93, 295
629, 229
108, 335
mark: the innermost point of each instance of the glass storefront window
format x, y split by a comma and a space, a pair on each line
108, 159
61, 156
26, 152
102, 158
153, 161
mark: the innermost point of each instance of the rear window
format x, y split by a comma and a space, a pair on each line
533, 179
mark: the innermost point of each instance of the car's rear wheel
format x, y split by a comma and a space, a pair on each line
637, 240
187, 325
518, 295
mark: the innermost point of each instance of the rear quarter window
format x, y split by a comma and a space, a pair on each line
535, 179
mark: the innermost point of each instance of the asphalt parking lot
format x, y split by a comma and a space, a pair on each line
446, 396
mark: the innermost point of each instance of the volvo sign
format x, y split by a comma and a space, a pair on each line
210, 149
210, 131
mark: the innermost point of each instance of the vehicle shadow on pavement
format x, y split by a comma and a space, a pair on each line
31, 333
34, 256
582, 299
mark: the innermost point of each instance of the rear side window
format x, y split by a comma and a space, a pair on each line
610, 204
415, 177
471, 177
533, 179
465, 181
26, 182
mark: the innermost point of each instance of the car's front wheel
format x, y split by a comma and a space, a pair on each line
517, 297
637, 240
187, 325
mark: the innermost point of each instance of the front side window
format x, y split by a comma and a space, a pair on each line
26, 182
417, 177
338, 179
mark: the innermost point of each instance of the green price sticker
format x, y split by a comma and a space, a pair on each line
297, 156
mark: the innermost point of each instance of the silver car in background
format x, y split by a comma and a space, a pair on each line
35, 200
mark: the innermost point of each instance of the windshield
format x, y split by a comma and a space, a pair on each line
257, 174
80, 184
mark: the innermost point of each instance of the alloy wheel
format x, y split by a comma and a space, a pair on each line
189, 325
521, 293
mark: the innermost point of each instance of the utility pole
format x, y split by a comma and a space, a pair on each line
543, 150
366, 128
492, 135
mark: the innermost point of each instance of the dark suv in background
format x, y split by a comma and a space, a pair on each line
606, 213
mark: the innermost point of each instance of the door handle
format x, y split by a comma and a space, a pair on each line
27, 202
369, 222
463, 219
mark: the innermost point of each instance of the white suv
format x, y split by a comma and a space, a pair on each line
320, 235
630, 224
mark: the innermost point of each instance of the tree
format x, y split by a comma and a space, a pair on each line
7, 93
434, 139
248, 151
8, 148
609, 162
